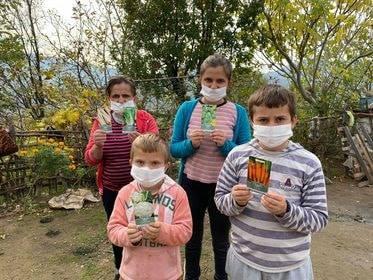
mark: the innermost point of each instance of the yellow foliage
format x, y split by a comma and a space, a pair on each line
86, 93
59, 119
72, 166
40, 125
73, 116
22, 153
66, 117
69, 150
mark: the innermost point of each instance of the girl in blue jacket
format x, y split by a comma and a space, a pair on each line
203, 148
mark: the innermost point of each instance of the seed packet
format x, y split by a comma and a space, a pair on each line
104, 118
258, 174
143, 207
208, 117
106, 127
129, 114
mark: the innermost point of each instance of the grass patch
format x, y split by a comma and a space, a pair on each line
94, 271
84, 250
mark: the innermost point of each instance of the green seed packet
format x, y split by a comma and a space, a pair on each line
129, 114
107, 128
208, 118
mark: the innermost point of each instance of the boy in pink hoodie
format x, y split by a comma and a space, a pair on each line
152, 250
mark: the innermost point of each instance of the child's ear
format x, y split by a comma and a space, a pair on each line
130, 161
294, 121
167, 165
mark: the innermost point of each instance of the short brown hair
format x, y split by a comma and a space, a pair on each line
272, 96
150, 143
217, 60
116, 80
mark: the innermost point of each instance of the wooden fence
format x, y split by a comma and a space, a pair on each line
320, 135
17, 173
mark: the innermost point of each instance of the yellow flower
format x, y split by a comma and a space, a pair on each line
22, 153
50, 140
69, 150
40, 125
57, 150
71, 157
73, 116
72, 166
61, 144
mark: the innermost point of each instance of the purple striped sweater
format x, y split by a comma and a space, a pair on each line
258, 238
116, 156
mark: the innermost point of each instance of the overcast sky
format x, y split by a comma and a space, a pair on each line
62, 7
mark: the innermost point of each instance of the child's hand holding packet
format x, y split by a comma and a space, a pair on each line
241, 194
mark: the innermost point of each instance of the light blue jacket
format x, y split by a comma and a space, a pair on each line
181, 146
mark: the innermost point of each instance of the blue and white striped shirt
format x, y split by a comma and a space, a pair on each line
259, 239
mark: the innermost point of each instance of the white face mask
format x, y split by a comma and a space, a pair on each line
129, 103
119, 107
147, 177
213, 94
273, 136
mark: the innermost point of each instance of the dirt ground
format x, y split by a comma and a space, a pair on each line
73, 245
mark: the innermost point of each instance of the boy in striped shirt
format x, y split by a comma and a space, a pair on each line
271, 233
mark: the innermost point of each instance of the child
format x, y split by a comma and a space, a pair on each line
151, 251
271, 233
110, 152
203, 152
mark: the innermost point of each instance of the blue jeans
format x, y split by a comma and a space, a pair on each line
201, 197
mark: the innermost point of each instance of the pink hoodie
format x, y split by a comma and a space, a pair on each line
158, 260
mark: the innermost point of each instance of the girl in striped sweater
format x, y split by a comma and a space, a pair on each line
202, 154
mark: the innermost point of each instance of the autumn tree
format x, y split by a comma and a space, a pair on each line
172, 38
80, 45
323, 47
22, 78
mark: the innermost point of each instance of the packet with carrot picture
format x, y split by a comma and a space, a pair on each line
258, 174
